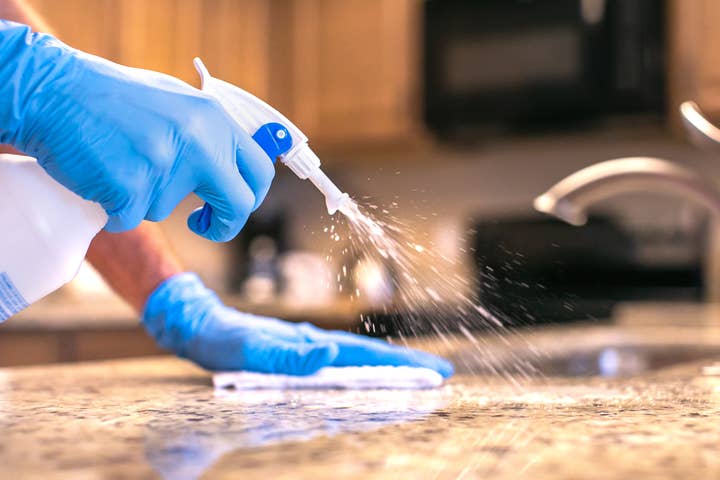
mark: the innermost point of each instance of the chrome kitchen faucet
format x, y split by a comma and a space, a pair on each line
570, 198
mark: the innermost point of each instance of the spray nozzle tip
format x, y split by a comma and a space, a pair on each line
335, 203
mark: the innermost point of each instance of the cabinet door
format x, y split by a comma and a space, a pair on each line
343, 70
709, 61
84, 24
164, 35
352, 66
694, 55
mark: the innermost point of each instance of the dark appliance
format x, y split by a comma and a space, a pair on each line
256, 251
541, 270
535, 62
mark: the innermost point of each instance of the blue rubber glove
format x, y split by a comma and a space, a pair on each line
135, 141
189, 320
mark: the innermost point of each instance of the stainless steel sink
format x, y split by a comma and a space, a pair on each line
623, 360
589, 351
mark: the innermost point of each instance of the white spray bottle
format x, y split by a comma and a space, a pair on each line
45, 229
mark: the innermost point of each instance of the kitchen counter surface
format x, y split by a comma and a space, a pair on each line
158, 417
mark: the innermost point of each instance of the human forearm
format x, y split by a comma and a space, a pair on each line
133, 263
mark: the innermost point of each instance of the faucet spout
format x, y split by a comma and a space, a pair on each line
700, 130
570, 198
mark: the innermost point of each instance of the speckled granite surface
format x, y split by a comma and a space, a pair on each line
159, 417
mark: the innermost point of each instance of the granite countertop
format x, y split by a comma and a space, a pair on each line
159, 417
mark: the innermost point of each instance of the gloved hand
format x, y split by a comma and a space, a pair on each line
190, 320
135, 141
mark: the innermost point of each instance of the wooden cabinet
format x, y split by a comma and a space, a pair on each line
694, 55
49, 345
165, 35
343, 70
347, 70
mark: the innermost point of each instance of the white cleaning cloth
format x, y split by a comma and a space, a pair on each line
346, 378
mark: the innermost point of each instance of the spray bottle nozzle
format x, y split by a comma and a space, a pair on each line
306, 165
334, 198
274, 133
335, 204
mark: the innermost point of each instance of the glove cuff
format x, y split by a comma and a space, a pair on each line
175, 309
28, 61
14, 42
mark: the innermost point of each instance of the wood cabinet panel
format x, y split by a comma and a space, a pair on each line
53, 346
165, 35
694, 56
709, 42
84, 24
354, 68
235, 42
107, 344
146, 34
344, 70
29, 349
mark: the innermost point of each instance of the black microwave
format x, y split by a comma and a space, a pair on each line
531, 61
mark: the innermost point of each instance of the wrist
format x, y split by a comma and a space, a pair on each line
134, 263
13, 45
176, 309
31, 64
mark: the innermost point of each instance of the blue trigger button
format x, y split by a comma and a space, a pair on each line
203, 221
274, 139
